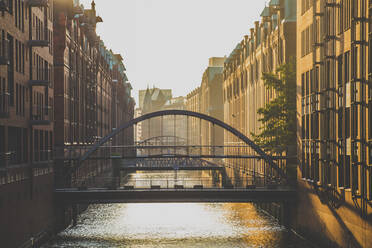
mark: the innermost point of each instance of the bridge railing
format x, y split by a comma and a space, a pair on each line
174, 183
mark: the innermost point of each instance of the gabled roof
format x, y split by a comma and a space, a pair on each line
265, 12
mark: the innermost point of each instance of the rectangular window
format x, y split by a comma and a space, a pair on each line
355, 177
341, 172
23, 17
307, 127
10, 6
317, 78
19, 14
347, 122
370, 182
370, 121
23, 58
16, 12
23, 100
326, 124
303, 127
302, 44
328, 75
316, 126
355, 128
312, 81
303, 84
17, 56
17, 99
340, 119
307, 84
25, 145
339, 71
36, 145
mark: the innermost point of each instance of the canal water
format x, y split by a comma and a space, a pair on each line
175, 225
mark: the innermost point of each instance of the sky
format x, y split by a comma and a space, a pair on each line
167, 43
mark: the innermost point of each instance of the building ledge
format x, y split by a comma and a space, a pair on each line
39, 83
38, 43
37, 3
40, 122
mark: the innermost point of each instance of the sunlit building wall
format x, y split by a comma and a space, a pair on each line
271, 43
193, 104
207, 99
334, 118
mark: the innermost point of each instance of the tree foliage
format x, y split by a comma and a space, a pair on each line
278, 117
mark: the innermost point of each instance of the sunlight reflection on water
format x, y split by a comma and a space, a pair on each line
174, 225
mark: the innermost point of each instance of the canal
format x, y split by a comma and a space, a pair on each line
169, 225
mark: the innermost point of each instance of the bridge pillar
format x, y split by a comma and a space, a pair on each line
115, 173
74, 214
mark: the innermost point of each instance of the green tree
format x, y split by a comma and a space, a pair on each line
278, 117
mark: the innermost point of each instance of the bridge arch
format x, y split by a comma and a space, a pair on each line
267, 158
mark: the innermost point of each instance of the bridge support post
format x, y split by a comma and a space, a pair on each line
116, 174
74, 214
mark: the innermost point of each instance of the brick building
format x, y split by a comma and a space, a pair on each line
59, 87
26, 119
271, 43
92, 92
334, 120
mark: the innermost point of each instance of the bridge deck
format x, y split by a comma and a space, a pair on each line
101, 196
155, 168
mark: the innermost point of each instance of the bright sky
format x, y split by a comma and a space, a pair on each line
167, 43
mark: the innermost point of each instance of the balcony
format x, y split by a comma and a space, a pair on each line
41, 115
39, 38
4, 5
4, 52
41, 77
37, 3
4, 105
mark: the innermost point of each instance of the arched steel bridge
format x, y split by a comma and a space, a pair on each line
245, 189
266, 157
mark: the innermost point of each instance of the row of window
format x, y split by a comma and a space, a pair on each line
306, 5
43, 141
20, 54
344, 15
338, 174
20, 14
307, 40
21, 99
42, 69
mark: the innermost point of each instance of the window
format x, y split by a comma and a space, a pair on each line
354, 126
370, 121
339, 70
307, 84
347, 122
303, 127
346, 12
303, 84
17, 99
341, 171
339, 115
315, 126
307, 127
